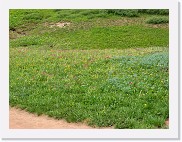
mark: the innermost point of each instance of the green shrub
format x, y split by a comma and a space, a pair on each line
88, 12
154, 11
57, 10
157, 20
124, 12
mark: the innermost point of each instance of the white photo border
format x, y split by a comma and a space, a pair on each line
171, 133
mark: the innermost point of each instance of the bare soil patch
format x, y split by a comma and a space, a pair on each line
13, 34
60, 24
20, 119
167, 122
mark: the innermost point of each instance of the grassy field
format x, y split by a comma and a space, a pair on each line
103, 67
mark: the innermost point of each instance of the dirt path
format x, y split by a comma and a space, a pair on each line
20, 119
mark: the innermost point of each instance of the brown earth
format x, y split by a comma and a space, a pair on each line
167, 122
20, 119
60, 24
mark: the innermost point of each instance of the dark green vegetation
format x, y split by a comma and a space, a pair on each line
137, 12
157, 20
96, 37
101, 68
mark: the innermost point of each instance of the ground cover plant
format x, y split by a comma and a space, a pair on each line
157, 20
101, 67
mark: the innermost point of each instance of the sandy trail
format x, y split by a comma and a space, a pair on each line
20, 119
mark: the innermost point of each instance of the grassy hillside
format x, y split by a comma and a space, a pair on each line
101, 67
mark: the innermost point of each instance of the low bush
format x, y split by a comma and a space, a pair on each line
124, 12
137, 12
157, 20
154, 11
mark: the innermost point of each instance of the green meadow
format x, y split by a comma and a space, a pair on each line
105, 68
